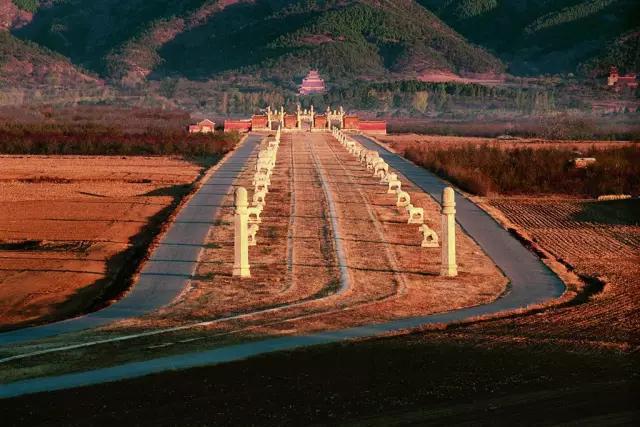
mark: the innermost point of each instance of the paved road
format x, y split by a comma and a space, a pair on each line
171, 264
531, 282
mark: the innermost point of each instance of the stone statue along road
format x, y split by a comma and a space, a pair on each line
531, 282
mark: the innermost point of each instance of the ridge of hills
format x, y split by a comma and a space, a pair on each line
138, 45
549, 36
131, 41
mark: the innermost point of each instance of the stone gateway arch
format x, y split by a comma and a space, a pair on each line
306, 120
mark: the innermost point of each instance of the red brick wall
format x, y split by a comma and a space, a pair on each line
320, 122
239, 125
351, 122
259, 122
290, 121
373, 126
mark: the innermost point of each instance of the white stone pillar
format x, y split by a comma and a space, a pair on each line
241, 243
449, 266
269, 116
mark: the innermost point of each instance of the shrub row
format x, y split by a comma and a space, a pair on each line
487, 169
98, 140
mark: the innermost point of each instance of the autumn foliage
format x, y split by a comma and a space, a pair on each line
487, 169
98, 140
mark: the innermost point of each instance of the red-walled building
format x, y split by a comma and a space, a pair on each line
205, 126
259, 122
290, 121
351, 122
320, 121
313, 83
241, 126
373, 126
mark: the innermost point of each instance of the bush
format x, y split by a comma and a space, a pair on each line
28, 5
99, 140
487, 169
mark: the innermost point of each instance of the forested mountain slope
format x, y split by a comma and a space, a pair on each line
540, 36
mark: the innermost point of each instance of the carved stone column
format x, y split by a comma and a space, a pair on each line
449, 267
241, 243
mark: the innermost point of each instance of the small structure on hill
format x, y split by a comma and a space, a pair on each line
583, 162
617, 82
205, 126
311, 84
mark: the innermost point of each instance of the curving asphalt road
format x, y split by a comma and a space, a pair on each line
171, 264
531, 280
531, 283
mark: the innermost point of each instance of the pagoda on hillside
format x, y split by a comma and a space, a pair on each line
311, 84
617, 81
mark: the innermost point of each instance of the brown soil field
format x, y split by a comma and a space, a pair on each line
295, 285
598, 241
421, 379
398, 142
69, 224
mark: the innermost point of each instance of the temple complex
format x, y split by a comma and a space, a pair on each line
311, 84
616, 81
306, 120
205, 126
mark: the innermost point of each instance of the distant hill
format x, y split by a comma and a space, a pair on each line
265, 40
27, 65
624, 52
201, 49
540, 36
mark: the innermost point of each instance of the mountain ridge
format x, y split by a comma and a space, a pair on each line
130, 41
272, 44
543, 36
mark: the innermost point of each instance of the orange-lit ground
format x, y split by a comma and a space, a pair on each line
69, 225
295, 285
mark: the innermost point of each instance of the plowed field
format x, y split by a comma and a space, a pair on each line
599, 241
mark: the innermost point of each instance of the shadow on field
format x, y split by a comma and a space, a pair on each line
614, 212
421, 379
119, 269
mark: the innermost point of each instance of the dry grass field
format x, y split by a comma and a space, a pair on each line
74, 228
400, 141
